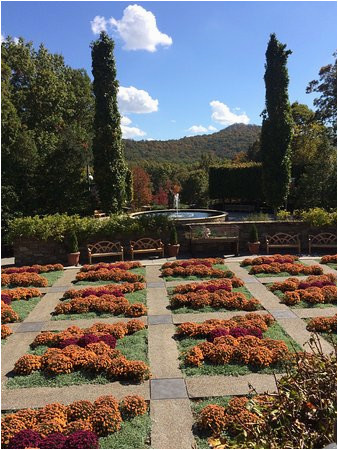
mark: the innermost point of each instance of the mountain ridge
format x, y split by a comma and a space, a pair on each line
224, 144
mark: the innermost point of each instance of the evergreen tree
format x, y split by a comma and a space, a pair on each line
277, 126
109, 165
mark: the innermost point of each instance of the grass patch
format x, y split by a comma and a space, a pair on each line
52, 276
194, 277
332, 265
134, 433
303, 304
137, 270
24, 307
132, 297
206, 309
275, 331
134, 347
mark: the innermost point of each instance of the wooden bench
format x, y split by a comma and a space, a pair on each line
99, 214
322, 240
104, 248
146, 245
213, 233
282, 240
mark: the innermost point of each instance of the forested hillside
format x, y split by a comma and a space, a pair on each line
224, 144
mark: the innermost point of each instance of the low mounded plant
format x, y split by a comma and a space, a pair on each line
253, 238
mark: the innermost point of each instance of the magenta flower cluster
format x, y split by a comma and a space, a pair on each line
87, 339
99, 292
32, 439
235, 332
185, 264
6, 299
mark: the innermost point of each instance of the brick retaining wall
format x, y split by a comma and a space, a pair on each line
34, 251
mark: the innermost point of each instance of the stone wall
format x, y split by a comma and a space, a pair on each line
33, 251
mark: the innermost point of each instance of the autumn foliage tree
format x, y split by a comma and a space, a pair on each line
141, 187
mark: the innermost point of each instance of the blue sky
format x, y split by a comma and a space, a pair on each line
199, 68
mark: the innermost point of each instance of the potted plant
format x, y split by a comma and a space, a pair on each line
173, 246
73, 249
253, 243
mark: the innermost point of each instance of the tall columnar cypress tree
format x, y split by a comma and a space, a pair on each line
277, 125
109, 165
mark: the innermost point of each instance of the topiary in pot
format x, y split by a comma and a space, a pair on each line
253, 243
173, 246
73, 249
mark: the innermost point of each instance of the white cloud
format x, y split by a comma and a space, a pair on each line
201, 129
16, 40
222, 114
138, 29
132, 100
125, 120
2, 38
131, 132
197, 129
98, 24
173, 121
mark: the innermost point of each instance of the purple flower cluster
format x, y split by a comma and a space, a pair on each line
86, 339
6, 299
99, 292
319, 284
235, 332
32, 439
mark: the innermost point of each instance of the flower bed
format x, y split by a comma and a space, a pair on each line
285, 268
196, 268
110, 266
101, 353
103, 304
82, 424
329, 259
281, 259
5, 331
23, 279
323, 324
238, 345
112, 289
7, 295
210, 286
116, 275
8, 315
314, 290
33, 269
22, 301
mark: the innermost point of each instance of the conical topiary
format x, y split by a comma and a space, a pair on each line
253, 234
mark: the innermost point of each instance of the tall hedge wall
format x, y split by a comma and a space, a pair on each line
236, 182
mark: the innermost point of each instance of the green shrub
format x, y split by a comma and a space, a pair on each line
240, 182
282, 214
72, 243
258, 217
57, 227
318, 217
173, 236
253, 234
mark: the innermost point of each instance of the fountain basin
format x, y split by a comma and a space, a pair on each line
184, 216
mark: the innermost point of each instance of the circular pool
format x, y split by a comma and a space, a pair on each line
187, 215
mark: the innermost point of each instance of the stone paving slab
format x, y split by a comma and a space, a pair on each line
168, 388
162, 352
315, 312
159, 284
30, 326
67, 277
201, 317
153, 274
55, 289
160, 319
55, 325
157, 301
284, 314
38, 397
172, 423
219, 386
42, 311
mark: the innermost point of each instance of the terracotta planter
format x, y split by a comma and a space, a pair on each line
173, 249
73, 258
254, 247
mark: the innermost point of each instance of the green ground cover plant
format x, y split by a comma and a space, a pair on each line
275, 331
133, 347
24, 307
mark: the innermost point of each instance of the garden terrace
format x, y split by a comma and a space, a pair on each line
173, 384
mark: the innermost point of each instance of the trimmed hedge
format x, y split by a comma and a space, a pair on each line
240, 182
57, 226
